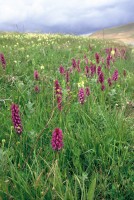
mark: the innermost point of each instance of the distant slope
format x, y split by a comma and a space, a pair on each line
123, 33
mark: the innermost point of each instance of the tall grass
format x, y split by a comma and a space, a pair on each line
96, 160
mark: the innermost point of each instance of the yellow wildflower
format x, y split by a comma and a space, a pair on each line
112, 52
81, 84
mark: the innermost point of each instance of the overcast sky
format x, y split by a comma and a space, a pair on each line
65, 16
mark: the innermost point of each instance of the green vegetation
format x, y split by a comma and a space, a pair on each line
97, 157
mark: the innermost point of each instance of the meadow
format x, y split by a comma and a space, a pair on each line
66, 118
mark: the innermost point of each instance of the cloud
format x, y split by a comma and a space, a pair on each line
73, 16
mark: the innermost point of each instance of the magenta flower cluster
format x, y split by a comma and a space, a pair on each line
67, 76
97, 57
115, 75
61, 70
16, 118
90, 71
101, 77
58, 92
81, 95
99, 70
36, 89
76, 64
36, 75
3, 60
57, 139
87, 71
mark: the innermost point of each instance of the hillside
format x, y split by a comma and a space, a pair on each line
123, 33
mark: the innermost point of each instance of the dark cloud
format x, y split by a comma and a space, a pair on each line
74, 17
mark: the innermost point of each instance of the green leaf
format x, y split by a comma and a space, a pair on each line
91, 190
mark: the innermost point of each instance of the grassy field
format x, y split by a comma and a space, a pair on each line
66, 118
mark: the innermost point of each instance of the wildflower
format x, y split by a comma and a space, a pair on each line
97, 57
101, 77
16, 118
108, 50
86, 59
36, 75
36, 89
87, 71
57, 139
102, 87
74, 64
3, 61
92, 69
78, 66
112, 52
67, 76
109, 57
87, 91
109, 81
99, 70
115, 75
42, 67
61, 69
81, 84
58, 92
81, 95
